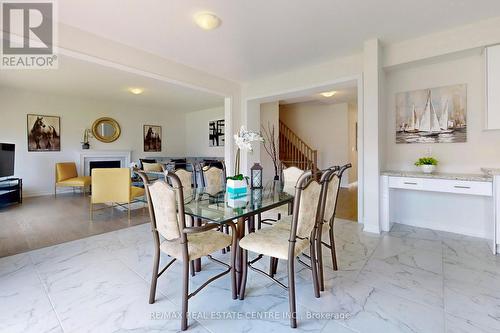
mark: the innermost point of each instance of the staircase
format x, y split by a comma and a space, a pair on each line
294, 151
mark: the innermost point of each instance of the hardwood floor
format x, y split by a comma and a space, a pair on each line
45, 221
347, 207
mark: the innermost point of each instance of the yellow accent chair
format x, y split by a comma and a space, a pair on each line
113, 185
67, 176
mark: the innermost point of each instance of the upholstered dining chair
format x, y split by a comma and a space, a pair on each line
212, 175
113, 185
186, 178
288, 244
67, 176
289, 178
186, 174
333, 180
330, 180
172, 237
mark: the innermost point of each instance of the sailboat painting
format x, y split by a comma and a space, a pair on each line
436, 115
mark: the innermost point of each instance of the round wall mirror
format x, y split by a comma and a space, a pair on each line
106, 129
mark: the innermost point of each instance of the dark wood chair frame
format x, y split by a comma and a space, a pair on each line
211, 164
304, 181
336, 171
194, 182
325, 177
185, 231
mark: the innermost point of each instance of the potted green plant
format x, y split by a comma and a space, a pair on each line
427, 164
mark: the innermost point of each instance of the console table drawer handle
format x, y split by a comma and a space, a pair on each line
410, 183
459, 186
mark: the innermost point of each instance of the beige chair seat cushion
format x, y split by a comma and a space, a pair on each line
272, 242
136, 192
199, 245
76, 182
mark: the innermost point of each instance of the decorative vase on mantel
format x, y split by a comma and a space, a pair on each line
85, 142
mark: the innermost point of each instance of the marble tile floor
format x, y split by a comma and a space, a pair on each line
407, 280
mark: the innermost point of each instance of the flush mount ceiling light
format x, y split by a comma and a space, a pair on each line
136, 91
328, 93
206, 20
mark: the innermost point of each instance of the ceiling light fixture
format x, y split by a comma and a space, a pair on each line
206, 20
328, 93
136, 91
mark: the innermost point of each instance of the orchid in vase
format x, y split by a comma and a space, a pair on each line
243, 140
236, 186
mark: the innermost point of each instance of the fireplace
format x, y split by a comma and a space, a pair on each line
103, 164
103, 159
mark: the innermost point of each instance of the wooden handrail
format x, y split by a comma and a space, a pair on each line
294, 151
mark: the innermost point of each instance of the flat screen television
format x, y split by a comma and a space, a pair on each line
7, 152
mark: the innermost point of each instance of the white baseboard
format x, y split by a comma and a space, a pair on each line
371, 229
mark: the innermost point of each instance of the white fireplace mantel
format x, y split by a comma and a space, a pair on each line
124, 156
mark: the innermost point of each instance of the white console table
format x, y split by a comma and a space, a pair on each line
442, 194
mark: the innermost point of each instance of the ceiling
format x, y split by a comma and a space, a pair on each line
342, 95
262, 37
88, 80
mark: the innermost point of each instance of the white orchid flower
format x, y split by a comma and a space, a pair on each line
244, 139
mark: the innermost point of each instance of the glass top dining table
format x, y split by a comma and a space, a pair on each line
214, 204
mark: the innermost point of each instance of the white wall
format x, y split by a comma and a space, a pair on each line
304, 78
481, 148
37, 168
196, 133
323, 127
86, 46
269, 116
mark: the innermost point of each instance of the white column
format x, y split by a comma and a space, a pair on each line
372, 73
228, 135
385, 223
252, 122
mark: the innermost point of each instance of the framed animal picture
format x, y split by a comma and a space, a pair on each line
152, 138
44, 133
